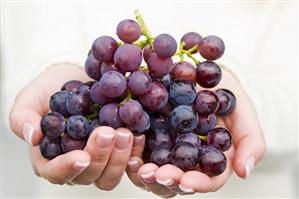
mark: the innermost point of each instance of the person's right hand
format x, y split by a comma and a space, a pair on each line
104, 159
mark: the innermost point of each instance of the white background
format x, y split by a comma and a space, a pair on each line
260, 40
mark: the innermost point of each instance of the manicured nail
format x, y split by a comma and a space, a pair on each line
149, 177
28, 131
133, 166
137, 141
122, 140
186, 189
104, 139
80, 166
249, 165
165, 182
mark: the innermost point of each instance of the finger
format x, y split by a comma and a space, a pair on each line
147, 175
138, 146
195, 181
118, 160
169, 176
132, 171
99, 147
61, 169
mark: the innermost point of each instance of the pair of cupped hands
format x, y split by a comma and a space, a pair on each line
111, 152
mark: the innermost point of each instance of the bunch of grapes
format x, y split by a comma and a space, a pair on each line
157, 99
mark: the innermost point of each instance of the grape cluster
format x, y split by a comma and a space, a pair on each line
158, 99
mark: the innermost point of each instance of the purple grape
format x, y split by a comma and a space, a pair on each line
113, 84
58, 102
211, 47
190, 138
85, 87
93, 67
183, 71
103, 48
211, 161
158, 67
206, 102
166, 81
227, 102
109, 115
219, 138
97, 96
159, 138
191, 39
52, 125
69, 144
50, 148
182, 93
146, 52
205, 123
107, 66
184, 119
130, 112
160, 156
127, 58
208, 74
128, 31
156, 98
71, 86
146, 155
77, 126
93, 125
159, 121
141, 126
79, 103
184, 155
139, 82
165, 45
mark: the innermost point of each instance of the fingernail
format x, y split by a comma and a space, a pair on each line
104, 139
122, 140
186, 189
80, 166
149, 177
28, 131
133, 166
137, 141
249, 165
166, 182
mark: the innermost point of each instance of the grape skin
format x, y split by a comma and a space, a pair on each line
205, 123
79, 103
159, 138
93, 67
182, 93
184, 119
128, 31
165, 45
183, 71
52, 125
220, 138
208, 74
50, 148
58, 102
130, 112
113, 84
69, 144
139, 82
77, 127
71, 86
97, 96
127, 58
158, 67
206, 102
211, 47
141, 126
103, 48
227, 102
160, 156
109, 116
191, 39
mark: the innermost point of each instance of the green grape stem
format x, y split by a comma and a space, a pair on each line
203, 137
144, 29
92, 116
128, 97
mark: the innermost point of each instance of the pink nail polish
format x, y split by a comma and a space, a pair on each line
149, 177
165, 182
122, 140
80, 166
104, 139
186, 189
133, 166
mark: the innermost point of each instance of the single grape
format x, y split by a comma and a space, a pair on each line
220, 138
107, 66
208, 74
183, 71
103, 48
206, 102
159, 121
127, 58
160, 156
211, 47
190, 138
77, 126
211, 161
182, 93
165, 45
71, 86
79, 103
184, 119
139, 82
97, 94
69, 144
128, 31
205, 123
52, 125
146, 52
113, 84
158, 67
130, 112
93, 125
156, 98
93, 67
109, 115
159, 138
141, 126
184, 155
227, 102
191, 39
58, 102
50, 148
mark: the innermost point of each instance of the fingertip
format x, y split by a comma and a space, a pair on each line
147, 172
168, 175
195, 180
